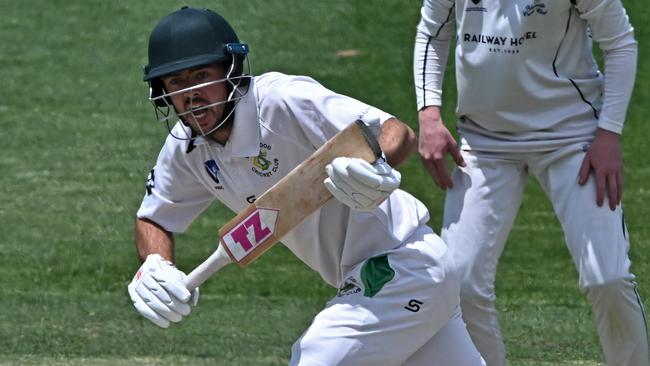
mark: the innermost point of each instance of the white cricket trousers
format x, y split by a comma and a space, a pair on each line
413, 319
478, 215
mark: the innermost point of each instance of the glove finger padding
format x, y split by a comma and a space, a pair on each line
158, 293
194, 297
145, 310
341, 176
170, 300
341, 179
157, 299
352, 200
360, 185
171, 279
379, 175
348, 186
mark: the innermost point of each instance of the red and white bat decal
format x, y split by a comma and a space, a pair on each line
253, 230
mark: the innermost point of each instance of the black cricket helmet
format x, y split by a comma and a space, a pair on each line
188, 38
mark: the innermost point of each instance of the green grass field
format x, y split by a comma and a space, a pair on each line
78, 139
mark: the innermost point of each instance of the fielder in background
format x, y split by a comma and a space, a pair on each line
232, 136
531, 100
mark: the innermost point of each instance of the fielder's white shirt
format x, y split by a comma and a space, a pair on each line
526, 77
278, 124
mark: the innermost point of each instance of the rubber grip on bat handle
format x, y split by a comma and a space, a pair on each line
200, 274
371, 139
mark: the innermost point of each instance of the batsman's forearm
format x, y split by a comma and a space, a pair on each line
151, 238
397, 141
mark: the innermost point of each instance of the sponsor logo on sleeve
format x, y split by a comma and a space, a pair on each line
150, 183
213, 171
350, 286
476, 7
537, 7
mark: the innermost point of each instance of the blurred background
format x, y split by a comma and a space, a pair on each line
79, 137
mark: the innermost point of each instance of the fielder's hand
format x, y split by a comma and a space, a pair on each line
435, 143
158, 293
360, 185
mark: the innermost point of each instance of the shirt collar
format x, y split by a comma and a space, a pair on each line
244, 140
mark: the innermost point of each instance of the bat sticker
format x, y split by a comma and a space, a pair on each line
253, 230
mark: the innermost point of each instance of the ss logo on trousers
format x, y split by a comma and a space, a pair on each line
413, 305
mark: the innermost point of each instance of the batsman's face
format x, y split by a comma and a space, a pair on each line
198, 95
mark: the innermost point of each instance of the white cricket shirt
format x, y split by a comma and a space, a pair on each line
278, 124
525, 73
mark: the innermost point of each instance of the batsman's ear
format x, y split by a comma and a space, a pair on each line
156, 90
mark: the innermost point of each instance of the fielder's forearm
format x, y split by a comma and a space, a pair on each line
151, 238
620, 71
397, 141
429, 63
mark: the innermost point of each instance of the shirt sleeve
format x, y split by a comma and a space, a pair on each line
319, 112
174, 198
431, 50
611, 29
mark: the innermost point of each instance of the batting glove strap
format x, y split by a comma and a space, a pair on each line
360, 185
158, 293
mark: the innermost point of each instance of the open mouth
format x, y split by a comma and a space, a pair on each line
198, 111
198, 115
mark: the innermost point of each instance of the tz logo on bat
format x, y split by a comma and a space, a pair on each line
254, 229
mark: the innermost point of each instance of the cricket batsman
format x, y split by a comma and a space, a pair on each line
233, 136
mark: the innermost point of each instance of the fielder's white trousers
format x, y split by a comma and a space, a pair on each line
478, 215
414, 320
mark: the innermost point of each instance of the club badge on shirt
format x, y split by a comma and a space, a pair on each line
263, 164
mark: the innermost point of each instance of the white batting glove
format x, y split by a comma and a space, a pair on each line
360, 185
158, 293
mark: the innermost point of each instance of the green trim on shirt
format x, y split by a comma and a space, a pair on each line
375, 273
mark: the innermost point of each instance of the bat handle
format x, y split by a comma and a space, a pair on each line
370, 138
200, 274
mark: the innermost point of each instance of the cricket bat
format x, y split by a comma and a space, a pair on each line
285, 205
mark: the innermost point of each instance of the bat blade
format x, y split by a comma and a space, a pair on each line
292, 199
287, 203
